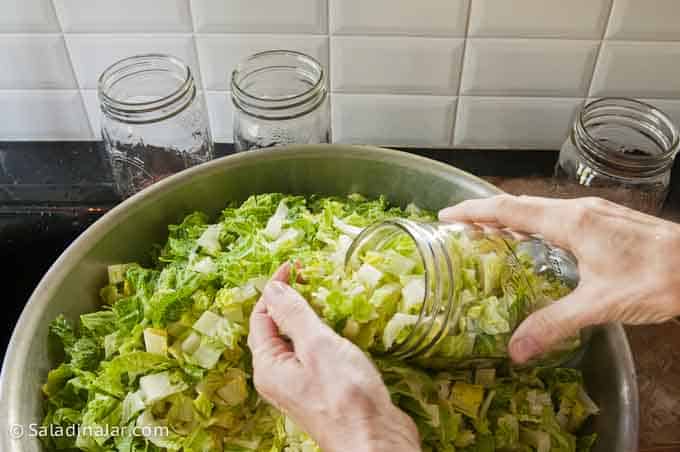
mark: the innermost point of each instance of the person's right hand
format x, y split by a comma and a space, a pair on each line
629, 263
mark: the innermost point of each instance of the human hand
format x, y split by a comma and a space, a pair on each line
327, 386
628, 263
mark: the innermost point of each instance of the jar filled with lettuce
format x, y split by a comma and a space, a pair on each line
463, 288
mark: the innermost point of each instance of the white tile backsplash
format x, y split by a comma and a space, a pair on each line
399, 17
34, 62
393, 119
654, 20
91, 103
219, 54
509, 123
144, 16
395, 65
260, 16
571, 19
638, 69
221, 115
540, 67
92, 53
43, 115
510, 72
27, 16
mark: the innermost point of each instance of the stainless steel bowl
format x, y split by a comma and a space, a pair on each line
126, 233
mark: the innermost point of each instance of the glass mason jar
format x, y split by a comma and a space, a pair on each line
153, 121
480, 283
622, 150
280, 98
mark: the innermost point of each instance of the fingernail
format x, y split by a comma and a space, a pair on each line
444, 213
524, 349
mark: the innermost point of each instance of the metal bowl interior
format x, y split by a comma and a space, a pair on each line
127, 232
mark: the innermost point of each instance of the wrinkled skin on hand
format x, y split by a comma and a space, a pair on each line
628, 263
322, 381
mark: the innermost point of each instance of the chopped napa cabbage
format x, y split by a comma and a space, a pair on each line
398, 329
210, 239
347, 229
369, 275
158, 386
275, 222
168, 349
413, 294
156, 341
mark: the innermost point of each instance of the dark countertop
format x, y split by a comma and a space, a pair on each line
51, 192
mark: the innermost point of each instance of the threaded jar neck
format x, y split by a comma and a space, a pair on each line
145, 89
438, 300
278, 84
625, 138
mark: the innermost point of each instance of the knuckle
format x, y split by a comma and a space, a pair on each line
506, 201
583, 215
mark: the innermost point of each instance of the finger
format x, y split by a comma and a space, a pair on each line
292, 314
546, 328
522, 213
264, 339
282, 273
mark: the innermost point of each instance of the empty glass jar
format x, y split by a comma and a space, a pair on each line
153, 121
280, 98
622, 150
480, 282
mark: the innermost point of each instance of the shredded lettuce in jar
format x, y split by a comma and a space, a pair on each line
168, 347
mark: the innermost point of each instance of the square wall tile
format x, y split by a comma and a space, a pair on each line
392, 119
145, 16
578, 19
514, 123
220, 54
528, 67
260, 16
92, 54
402, 17
34, 62
655, 20
43, 115
396, 65
221, 112
638, 69
27, 16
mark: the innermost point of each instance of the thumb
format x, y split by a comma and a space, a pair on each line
547, 327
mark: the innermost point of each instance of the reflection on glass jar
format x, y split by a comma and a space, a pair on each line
477, 283
622, 150
154, 123
280, 98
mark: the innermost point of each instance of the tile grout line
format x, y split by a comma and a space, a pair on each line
81, 92
466, 37
330, 63
599, 51
201, 76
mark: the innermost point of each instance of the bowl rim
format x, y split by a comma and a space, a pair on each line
17, 347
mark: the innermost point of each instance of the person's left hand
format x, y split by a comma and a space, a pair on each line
325, 383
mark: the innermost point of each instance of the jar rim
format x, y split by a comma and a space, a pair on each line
127, 62
418, 339
279, 52
661, 130
283, 107
163, 106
